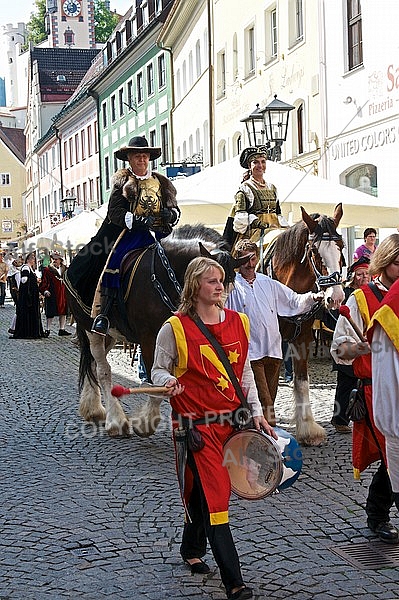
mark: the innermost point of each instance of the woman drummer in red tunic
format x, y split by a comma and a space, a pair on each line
201, 390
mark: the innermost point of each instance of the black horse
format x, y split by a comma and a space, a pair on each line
152, 279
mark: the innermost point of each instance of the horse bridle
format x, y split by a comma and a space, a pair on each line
322, 281
312, 251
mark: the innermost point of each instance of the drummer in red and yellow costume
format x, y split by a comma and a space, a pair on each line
200, 388
368, 442
384, 337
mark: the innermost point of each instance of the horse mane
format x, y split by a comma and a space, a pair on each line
290, 244
189, 236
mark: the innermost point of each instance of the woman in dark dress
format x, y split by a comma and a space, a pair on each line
28, 324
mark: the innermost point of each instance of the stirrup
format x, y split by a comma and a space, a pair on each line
100, 325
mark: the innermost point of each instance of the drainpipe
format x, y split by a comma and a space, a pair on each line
323, 89
95, 96
57, 135
211, 85
172, 108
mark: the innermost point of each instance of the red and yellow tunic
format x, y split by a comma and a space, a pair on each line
208, 390
364, 448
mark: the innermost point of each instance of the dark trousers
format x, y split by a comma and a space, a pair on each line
345, 384
2, 292
220, 539
380, 497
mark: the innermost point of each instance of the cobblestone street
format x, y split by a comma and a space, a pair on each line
86, 516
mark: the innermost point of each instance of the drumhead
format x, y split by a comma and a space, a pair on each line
254, 463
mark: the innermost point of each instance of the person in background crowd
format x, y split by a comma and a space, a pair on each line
3, 279
288, 366
53, 289
358, 275
264, 299
368, 248
28, 323
14, 265
142, 207
368, 443
383, 334
256, 207
185, 362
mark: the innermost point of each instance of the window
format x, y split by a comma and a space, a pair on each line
221, 74
89, 141
250, 51
190, 70
6, 202
130, 94
299, 124
66, 161
184, 75
77, 153
235, 57
83, 143
153, 143
299, 20
5, 179
271, 34
355, 40
121, 103
106, 169
113, 108
140, 90
165, 143
161, 71
95, 137
150, 79
295, 22
198, 58
71, 157
104, 107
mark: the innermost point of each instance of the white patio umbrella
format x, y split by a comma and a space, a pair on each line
68, 236
207, 197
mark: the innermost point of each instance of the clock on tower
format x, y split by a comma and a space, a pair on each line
71, 8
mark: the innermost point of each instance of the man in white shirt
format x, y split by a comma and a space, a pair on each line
264, 299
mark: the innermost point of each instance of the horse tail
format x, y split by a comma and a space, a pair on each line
86, 360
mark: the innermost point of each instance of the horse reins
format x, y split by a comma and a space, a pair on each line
157, 249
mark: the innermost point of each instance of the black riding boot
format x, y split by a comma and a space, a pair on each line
101, 322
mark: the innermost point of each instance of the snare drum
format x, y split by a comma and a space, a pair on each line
254, 462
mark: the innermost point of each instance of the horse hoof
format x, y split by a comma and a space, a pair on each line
118, 430
311, 435
144, 428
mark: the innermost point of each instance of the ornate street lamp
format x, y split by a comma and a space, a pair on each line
68, 206
269, 125
255, 127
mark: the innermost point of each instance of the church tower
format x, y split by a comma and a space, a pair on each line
70, 23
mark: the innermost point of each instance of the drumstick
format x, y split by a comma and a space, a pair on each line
345, 312
119, 390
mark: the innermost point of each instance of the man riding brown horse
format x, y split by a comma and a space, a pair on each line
142, 208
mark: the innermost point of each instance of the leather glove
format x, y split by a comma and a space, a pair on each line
257, 224
167, 215
141, 222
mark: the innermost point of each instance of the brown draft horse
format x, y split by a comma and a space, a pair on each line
151, 286
306, 255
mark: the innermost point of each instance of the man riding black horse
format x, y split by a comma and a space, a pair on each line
142, 208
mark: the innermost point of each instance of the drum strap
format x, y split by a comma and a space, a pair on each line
244, 419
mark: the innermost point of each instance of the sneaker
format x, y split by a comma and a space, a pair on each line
64, 332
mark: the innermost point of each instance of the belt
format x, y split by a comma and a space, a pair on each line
220, 418
366, 381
